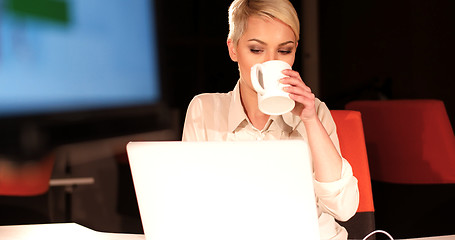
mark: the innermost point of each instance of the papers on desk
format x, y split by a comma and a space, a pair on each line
58, 231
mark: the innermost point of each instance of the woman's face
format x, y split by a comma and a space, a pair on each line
264, 39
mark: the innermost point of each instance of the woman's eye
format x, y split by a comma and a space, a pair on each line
253, 50
284, 52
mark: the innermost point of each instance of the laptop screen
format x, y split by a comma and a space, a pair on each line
224, 190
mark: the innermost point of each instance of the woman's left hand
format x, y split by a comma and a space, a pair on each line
301, 94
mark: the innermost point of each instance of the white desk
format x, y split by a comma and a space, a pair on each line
74, 231
58, 231
448, 237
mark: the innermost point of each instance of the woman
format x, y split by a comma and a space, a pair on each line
263, 30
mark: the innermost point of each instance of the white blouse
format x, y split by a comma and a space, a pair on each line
220, 117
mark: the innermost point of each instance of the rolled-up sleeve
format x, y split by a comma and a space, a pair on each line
339, 198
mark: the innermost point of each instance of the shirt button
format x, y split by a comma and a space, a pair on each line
259, 138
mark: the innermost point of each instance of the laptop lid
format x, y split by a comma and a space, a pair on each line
224, 190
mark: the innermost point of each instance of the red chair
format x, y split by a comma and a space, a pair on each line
409, 141
28, 179
24, 191
411, 151
352, 146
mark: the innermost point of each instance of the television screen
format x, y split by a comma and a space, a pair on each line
71, 55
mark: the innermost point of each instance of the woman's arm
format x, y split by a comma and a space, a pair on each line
326, 159
327, 162
335, 186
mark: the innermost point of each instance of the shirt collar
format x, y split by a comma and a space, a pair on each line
288, 122
236, 113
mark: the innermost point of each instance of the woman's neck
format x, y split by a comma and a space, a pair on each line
250, 105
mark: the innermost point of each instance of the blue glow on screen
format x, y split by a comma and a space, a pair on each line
104, 56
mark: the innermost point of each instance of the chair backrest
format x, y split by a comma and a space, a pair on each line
352, 146
408, 141
27, 179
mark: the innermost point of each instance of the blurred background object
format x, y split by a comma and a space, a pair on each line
411, 150
81, 78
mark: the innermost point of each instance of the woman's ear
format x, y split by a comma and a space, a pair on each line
232, 50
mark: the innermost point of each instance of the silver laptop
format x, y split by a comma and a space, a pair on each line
224, 190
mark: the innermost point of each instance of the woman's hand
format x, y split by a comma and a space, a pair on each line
301, 94
327, 161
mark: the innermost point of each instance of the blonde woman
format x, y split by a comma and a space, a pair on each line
259, 31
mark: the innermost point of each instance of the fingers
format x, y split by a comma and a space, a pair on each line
295, 82
306, 98
300, 93
292, 73
297, 89
294, 79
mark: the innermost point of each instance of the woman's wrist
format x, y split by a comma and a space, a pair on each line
310, 121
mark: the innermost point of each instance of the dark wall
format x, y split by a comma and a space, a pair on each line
194, 54
368, 50
387, 49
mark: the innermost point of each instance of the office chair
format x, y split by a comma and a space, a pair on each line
352, 146
411, 152
23, 191
28, 179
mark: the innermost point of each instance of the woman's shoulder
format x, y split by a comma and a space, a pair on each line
212, 99
321, 107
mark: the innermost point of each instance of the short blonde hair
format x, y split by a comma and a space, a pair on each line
241, 10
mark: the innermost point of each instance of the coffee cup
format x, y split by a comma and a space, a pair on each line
265, 77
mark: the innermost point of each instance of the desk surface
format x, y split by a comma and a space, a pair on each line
58, 231
448, 237
74, 231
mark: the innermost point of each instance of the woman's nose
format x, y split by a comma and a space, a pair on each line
271, 56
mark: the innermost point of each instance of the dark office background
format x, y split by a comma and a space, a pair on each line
374, 49
378, 49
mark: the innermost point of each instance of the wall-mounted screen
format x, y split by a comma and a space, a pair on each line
71, 55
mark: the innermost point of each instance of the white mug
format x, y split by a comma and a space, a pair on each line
265, 77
